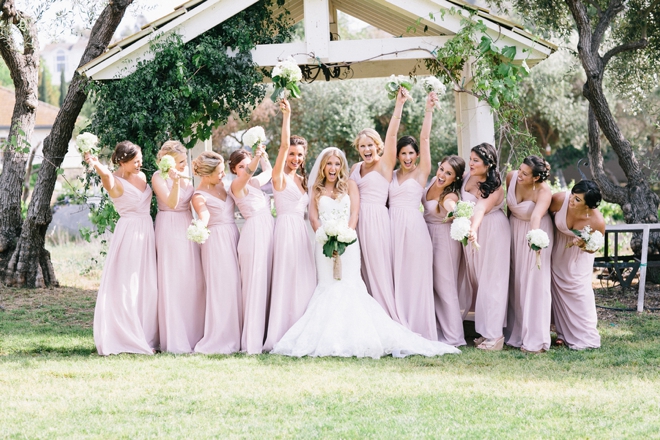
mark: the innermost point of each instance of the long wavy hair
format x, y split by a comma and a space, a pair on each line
299, 140
457, 163
488, 155
341, 186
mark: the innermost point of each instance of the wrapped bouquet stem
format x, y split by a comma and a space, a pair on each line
538, 239
336, 265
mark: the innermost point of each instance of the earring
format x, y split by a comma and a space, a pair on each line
534, 186
588, 212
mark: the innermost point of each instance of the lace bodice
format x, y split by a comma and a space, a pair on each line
337, 210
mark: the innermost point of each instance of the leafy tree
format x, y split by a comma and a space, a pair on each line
5, 77
619, 40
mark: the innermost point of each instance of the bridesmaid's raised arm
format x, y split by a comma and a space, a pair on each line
425, 140
244, 173
111, 185
354, 195
279, 184
388, 161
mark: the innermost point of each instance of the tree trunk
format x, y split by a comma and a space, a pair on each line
638, 201
24, 69
30, 265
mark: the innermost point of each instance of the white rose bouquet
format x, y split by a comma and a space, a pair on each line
593, 240
396, 81
461, 224
197, 232
87, 143
433, 84
538, 239
166, 163
286, 75
254, 137
335, 237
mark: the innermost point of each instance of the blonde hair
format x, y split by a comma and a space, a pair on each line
171, 148
341, 186
374, 136
206, 163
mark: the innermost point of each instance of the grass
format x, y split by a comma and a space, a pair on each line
53, 384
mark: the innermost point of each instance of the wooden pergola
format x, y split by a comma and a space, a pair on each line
368, 58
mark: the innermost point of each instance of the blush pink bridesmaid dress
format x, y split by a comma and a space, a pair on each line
373, 225
125, 316
528, 316
224, 302
448, 266
181, 293
294, 272
255, 259
412, 259
487, 270
573, 302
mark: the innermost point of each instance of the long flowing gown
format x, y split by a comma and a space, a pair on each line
255, 259
448, 266
181, 292
373, 226
412, 259
342, 319
224, 303
573, 302
528, 316
125, 316
487, 270
294, 274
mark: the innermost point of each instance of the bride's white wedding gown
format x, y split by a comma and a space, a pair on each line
342, 319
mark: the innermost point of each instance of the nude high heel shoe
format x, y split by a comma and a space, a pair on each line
494, 344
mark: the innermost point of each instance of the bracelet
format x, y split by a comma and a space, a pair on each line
395, 116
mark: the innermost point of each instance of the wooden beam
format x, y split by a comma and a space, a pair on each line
317, 27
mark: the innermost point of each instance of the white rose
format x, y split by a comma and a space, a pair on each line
254, 136
347, 235
596, 241
331, 228
321, 236
460, 228
538, 238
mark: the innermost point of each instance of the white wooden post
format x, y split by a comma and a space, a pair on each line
642, 269
317, 28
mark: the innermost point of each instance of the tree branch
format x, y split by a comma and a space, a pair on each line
633, 45
614, 8
596, 5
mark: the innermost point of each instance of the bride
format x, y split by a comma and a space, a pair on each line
342, 319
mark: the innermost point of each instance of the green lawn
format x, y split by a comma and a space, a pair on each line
52, 384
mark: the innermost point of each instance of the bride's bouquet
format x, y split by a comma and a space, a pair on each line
594, 241
537, 240
395, 82
461, 224
286, 75
87, 143
197, 232
335, 237
433, 84
254, 137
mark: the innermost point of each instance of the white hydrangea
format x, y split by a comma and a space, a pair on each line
595, 242
321, 236
86, 143
433, 84
460, 228
288, 70
254, 136
538, 239
331, 227
197, 232
166, 163
347, 235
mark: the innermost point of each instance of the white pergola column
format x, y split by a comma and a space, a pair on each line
195, 151
474, 119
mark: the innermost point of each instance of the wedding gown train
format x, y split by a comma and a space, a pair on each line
342, 319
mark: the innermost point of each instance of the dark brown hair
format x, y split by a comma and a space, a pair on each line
299, 140
488, 155
457, 163
237, 157
540, 168
125, 151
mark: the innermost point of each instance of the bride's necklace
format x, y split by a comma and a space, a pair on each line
330, 192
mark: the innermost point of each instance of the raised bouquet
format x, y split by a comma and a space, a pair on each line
165, 164
537, 239
461, 224
254, 137
335, 237
433, 84
197, 232
286, 75
87, 143
395, 82
593, 240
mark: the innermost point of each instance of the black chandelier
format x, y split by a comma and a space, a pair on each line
330, 71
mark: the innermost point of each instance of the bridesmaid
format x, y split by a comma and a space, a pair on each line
440, 199
255, 246
488, 268
412, 250
181, 299
294, 272
528, 199
125, 316
573, 303
373, 176
224, 308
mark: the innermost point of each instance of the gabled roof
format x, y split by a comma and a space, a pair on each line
46, 113
393, 16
